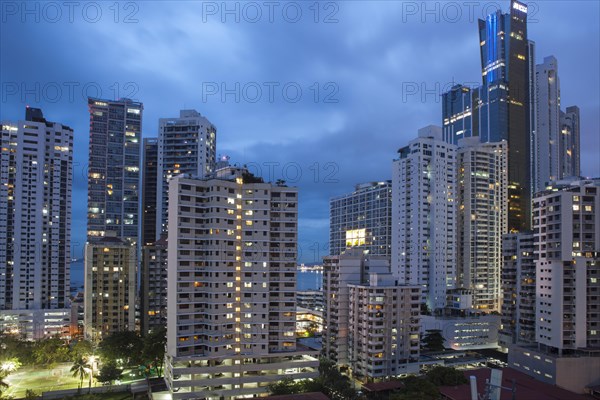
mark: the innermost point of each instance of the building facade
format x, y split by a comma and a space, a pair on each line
36, 170
502, 105
153, 290
567, 232
570, 148
114, 168
362, 218
457, 114
186, 145
547, 139
518, 289
109, 287
383, 335
232, 287
149, 190
482, 220
424, 216
371, 322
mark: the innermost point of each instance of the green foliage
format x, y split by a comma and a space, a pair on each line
122, 347
337, 385
153, 349
285, 386
109, 373
15, 348
31, 395
417, 388
48, 352
80, 369
446, 376
81, 349
432, 341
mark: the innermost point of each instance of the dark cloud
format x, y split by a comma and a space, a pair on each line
358, 78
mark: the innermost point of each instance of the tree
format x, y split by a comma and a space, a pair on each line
109, 373
80, 369
153, 349
48, 352
124, 348
446, 376
81, 349
31, 395
419, 389
433, 341
285, 386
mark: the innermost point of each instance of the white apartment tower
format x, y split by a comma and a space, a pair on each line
231, 291
482, 220
424, 216
36, 171
567, 232
186, 145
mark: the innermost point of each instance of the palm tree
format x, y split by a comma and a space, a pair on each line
80, 369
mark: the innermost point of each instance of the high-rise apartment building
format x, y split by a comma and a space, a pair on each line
546, 141
36, 170
149, 190
518, 289
567, 327
567, 232
424, 216
383, 335
363, 219
109, 286
113, 216
186, 145
482, 220
570, 151
232, 287
371, 322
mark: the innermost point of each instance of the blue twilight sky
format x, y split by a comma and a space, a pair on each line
369, 73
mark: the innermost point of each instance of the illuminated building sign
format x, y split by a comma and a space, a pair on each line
520, 7
355, 237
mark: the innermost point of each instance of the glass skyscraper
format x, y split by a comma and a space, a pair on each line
500, 108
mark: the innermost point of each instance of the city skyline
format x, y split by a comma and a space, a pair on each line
390, 101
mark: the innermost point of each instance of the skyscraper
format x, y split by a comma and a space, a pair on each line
424, 216
482, 220
502, 105
547, 139
36, 170
232, 250
113, 216
114, 168
362, 218
186, 145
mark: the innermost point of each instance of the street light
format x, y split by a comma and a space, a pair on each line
8, 366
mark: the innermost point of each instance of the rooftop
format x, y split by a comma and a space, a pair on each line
526, 387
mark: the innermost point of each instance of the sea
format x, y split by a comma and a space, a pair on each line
306, 280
